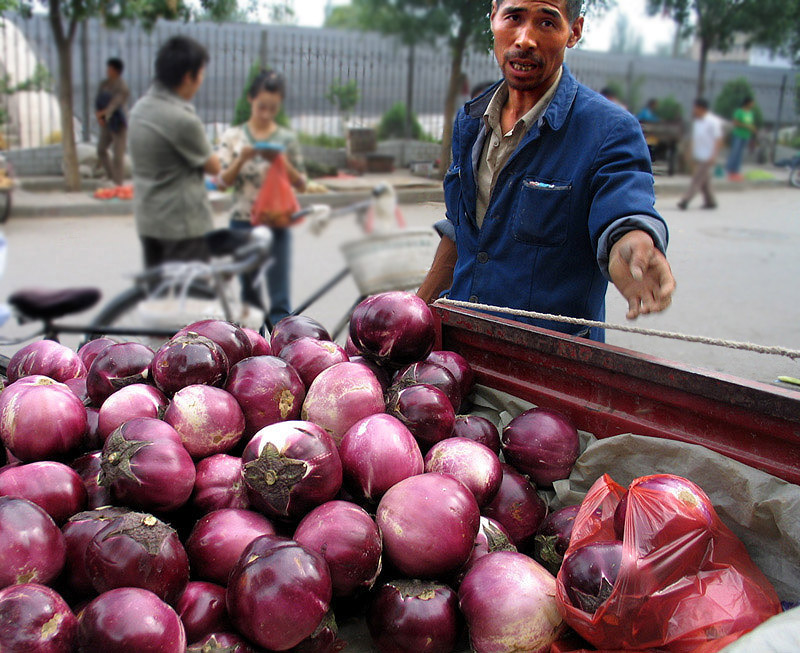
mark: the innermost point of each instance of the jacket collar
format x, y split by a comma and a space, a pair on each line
556, 113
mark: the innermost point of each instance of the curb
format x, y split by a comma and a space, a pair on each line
122, 208
90, 207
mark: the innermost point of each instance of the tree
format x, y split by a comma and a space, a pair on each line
717, 23
344, 96
66, 15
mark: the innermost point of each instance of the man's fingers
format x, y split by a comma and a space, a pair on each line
633, 307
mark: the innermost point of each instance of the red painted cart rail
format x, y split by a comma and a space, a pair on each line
607, 391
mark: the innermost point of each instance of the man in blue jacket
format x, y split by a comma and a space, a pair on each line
550, 192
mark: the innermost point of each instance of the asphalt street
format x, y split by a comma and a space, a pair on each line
738, 273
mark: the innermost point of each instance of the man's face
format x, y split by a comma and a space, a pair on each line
194, 82
530, 38
111, 72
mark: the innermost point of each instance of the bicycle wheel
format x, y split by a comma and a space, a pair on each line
794, 177
126, 311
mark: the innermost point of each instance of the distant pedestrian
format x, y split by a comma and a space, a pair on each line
650, 112
611, 95
706, 145
246, 153
170, 154
744, 128
111, 112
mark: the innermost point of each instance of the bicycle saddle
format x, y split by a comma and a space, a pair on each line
40, 304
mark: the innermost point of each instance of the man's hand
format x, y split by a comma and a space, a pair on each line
641, 273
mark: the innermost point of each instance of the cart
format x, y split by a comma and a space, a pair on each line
608, 391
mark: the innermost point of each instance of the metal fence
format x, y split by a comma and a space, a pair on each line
312, 59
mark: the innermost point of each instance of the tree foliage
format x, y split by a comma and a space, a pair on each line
717, 23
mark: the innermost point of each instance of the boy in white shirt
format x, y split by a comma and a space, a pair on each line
706, 144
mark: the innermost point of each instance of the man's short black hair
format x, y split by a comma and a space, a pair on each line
701, 102
178, 56
574, 8
116, 63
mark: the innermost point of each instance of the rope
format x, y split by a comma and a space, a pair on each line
714, 342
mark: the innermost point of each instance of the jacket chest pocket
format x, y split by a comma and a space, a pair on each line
452, 194
542, 212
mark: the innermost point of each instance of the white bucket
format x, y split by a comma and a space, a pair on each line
398, 260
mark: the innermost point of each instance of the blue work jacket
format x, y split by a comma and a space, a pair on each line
580, 178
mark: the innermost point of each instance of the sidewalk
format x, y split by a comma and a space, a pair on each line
41, 197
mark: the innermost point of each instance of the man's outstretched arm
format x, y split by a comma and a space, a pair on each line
641, 273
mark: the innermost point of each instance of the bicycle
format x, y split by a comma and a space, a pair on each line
179, 284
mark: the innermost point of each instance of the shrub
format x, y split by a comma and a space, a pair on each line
393, 124
731, 98
669, 109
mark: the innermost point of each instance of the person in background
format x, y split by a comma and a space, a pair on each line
110, 110
611, 95
246, 152
550, 194
744, 128
650, 112
170, 154
706, 145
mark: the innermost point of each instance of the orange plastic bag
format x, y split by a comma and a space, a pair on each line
686, 583
276, 201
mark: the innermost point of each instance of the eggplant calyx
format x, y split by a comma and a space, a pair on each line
145, 529
116, 461
273, 475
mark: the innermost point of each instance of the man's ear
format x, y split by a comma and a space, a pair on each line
493, 13
576, 32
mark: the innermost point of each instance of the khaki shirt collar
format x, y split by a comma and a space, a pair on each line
492, 117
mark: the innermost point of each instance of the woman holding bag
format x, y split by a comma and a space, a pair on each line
246, 153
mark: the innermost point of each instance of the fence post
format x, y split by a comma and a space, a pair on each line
262, 49
85, 97
779, 119
409, 104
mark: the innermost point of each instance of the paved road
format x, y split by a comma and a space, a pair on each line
737, 268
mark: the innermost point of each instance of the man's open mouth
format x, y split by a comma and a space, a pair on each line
522, 67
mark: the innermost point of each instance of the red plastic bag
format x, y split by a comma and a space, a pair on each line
276, 201
686, 583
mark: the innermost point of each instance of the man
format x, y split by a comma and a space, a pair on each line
744, 128
550, 192
706, 145
110, 106
170, 153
